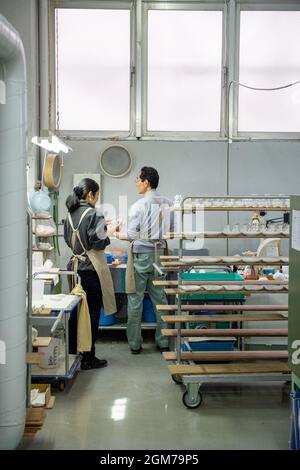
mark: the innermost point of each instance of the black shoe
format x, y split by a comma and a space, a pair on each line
136, 351
94, 363
162, 349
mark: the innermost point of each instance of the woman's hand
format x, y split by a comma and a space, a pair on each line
113, 228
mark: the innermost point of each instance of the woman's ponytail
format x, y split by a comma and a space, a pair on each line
80, 192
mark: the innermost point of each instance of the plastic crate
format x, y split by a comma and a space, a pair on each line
218, 276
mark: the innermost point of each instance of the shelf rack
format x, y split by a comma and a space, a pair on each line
275, 365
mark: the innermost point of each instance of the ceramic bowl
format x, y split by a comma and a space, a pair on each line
40, 201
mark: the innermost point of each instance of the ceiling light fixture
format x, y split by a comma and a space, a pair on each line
51, 143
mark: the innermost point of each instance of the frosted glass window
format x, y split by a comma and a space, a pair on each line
93, 69
184, 70
269, 57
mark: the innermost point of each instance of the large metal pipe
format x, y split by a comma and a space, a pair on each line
13, 238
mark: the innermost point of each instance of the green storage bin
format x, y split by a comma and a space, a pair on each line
216, 276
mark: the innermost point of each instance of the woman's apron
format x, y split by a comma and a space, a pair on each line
98, 260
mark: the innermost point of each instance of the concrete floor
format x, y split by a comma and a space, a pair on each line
133, 404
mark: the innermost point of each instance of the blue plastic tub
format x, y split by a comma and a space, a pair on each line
210, 346
148, 311
106, 320
109, 258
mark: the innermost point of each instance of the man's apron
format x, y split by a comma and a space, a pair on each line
130, 286
98, 260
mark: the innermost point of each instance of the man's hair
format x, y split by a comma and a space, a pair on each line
150, 174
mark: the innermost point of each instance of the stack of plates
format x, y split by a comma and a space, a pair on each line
213, 287
249, 260
189, 260
190, 288
253, 287
274, 287
233, 287
231, 259
210, 259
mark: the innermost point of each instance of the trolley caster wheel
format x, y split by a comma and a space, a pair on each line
189, 403
177, 379
61, 385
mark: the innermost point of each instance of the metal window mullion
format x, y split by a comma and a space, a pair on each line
52, 85
138, 26
43, 65
224, 71
144, 68
232, 57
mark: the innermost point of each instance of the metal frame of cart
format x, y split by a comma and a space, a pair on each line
192, 397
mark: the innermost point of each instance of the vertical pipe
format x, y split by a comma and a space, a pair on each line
13, 238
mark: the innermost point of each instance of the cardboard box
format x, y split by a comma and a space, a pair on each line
45, 389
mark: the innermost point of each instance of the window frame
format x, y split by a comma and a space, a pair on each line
258, 5
188, 6
94, 134
138, 69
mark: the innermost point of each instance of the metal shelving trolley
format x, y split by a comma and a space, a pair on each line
193, 368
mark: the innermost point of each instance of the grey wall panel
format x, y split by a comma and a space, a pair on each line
185, 168
262, 168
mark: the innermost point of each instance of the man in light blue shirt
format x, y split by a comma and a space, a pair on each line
149, 218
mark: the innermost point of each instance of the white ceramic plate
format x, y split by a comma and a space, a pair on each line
189, 260
249, 260
213, 232
233, 287
190, 288
210, 259
213, 287
231, 259
254, 287
284, 259
274, 259
274, 287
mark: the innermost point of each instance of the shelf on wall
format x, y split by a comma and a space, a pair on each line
191, 235
228, 208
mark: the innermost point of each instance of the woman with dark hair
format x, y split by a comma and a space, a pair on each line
86, 233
